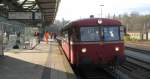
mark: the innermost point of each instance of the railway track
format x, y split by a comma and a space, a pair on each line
139, 58
132, 71
92, 72
137, 65
138, 50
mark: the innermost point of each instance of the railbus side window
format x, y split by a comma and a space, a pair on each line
75, 35
66, 36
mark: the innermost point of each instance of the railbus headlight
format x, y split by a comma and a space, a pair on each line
83, 50
71, 42
116, 48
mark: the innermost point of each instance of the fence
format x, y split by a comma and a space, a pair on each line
13, 33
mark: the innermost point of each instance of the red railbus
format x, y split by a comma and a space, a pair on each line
94, 41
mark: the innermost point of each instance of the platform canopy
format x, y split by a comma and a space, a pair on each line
47, 8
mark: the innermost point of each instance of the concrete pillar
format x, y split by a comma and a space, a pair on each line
41, 31
1, 40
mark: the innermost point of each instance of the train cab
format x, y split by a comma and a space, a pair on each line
96, 41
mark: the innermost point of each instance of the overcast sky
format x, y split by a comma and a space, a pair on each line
76, 9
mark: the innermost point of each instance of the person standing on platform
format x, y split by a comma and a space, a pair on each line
46, 35
50, 34
7, 35
54, 35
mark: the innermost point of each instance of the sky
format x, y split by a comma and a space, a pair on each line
77, 9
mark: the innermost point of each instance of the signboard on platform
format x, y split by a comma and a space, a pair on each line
20, 15
24, 15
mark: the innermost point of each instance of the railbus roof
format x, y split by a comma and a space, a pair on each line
97, 21
93, 21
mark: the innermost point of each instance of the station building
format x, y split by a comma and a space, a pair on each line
139, 35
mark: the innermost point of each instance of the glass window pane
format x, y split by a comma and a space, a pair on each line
111, 33
89, 34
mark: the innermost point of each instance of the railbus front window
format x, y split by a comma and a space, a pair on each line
111, 33
89, 34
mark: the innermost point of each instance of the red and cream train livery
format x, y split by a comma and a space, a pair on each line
96, 41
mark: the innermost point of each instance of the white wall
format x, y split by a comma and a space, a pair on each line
149, 36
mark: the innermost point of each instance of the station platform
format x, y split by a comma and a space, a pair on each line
143, 45
45, 61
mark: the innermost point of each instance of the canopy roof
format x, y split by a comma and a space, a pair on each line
48, 8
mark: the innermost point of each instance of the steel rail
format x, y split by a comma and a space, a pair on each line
138, 50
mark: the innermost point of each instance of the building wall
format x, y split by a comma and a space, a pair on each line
139, 35
135, 35
148, 35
